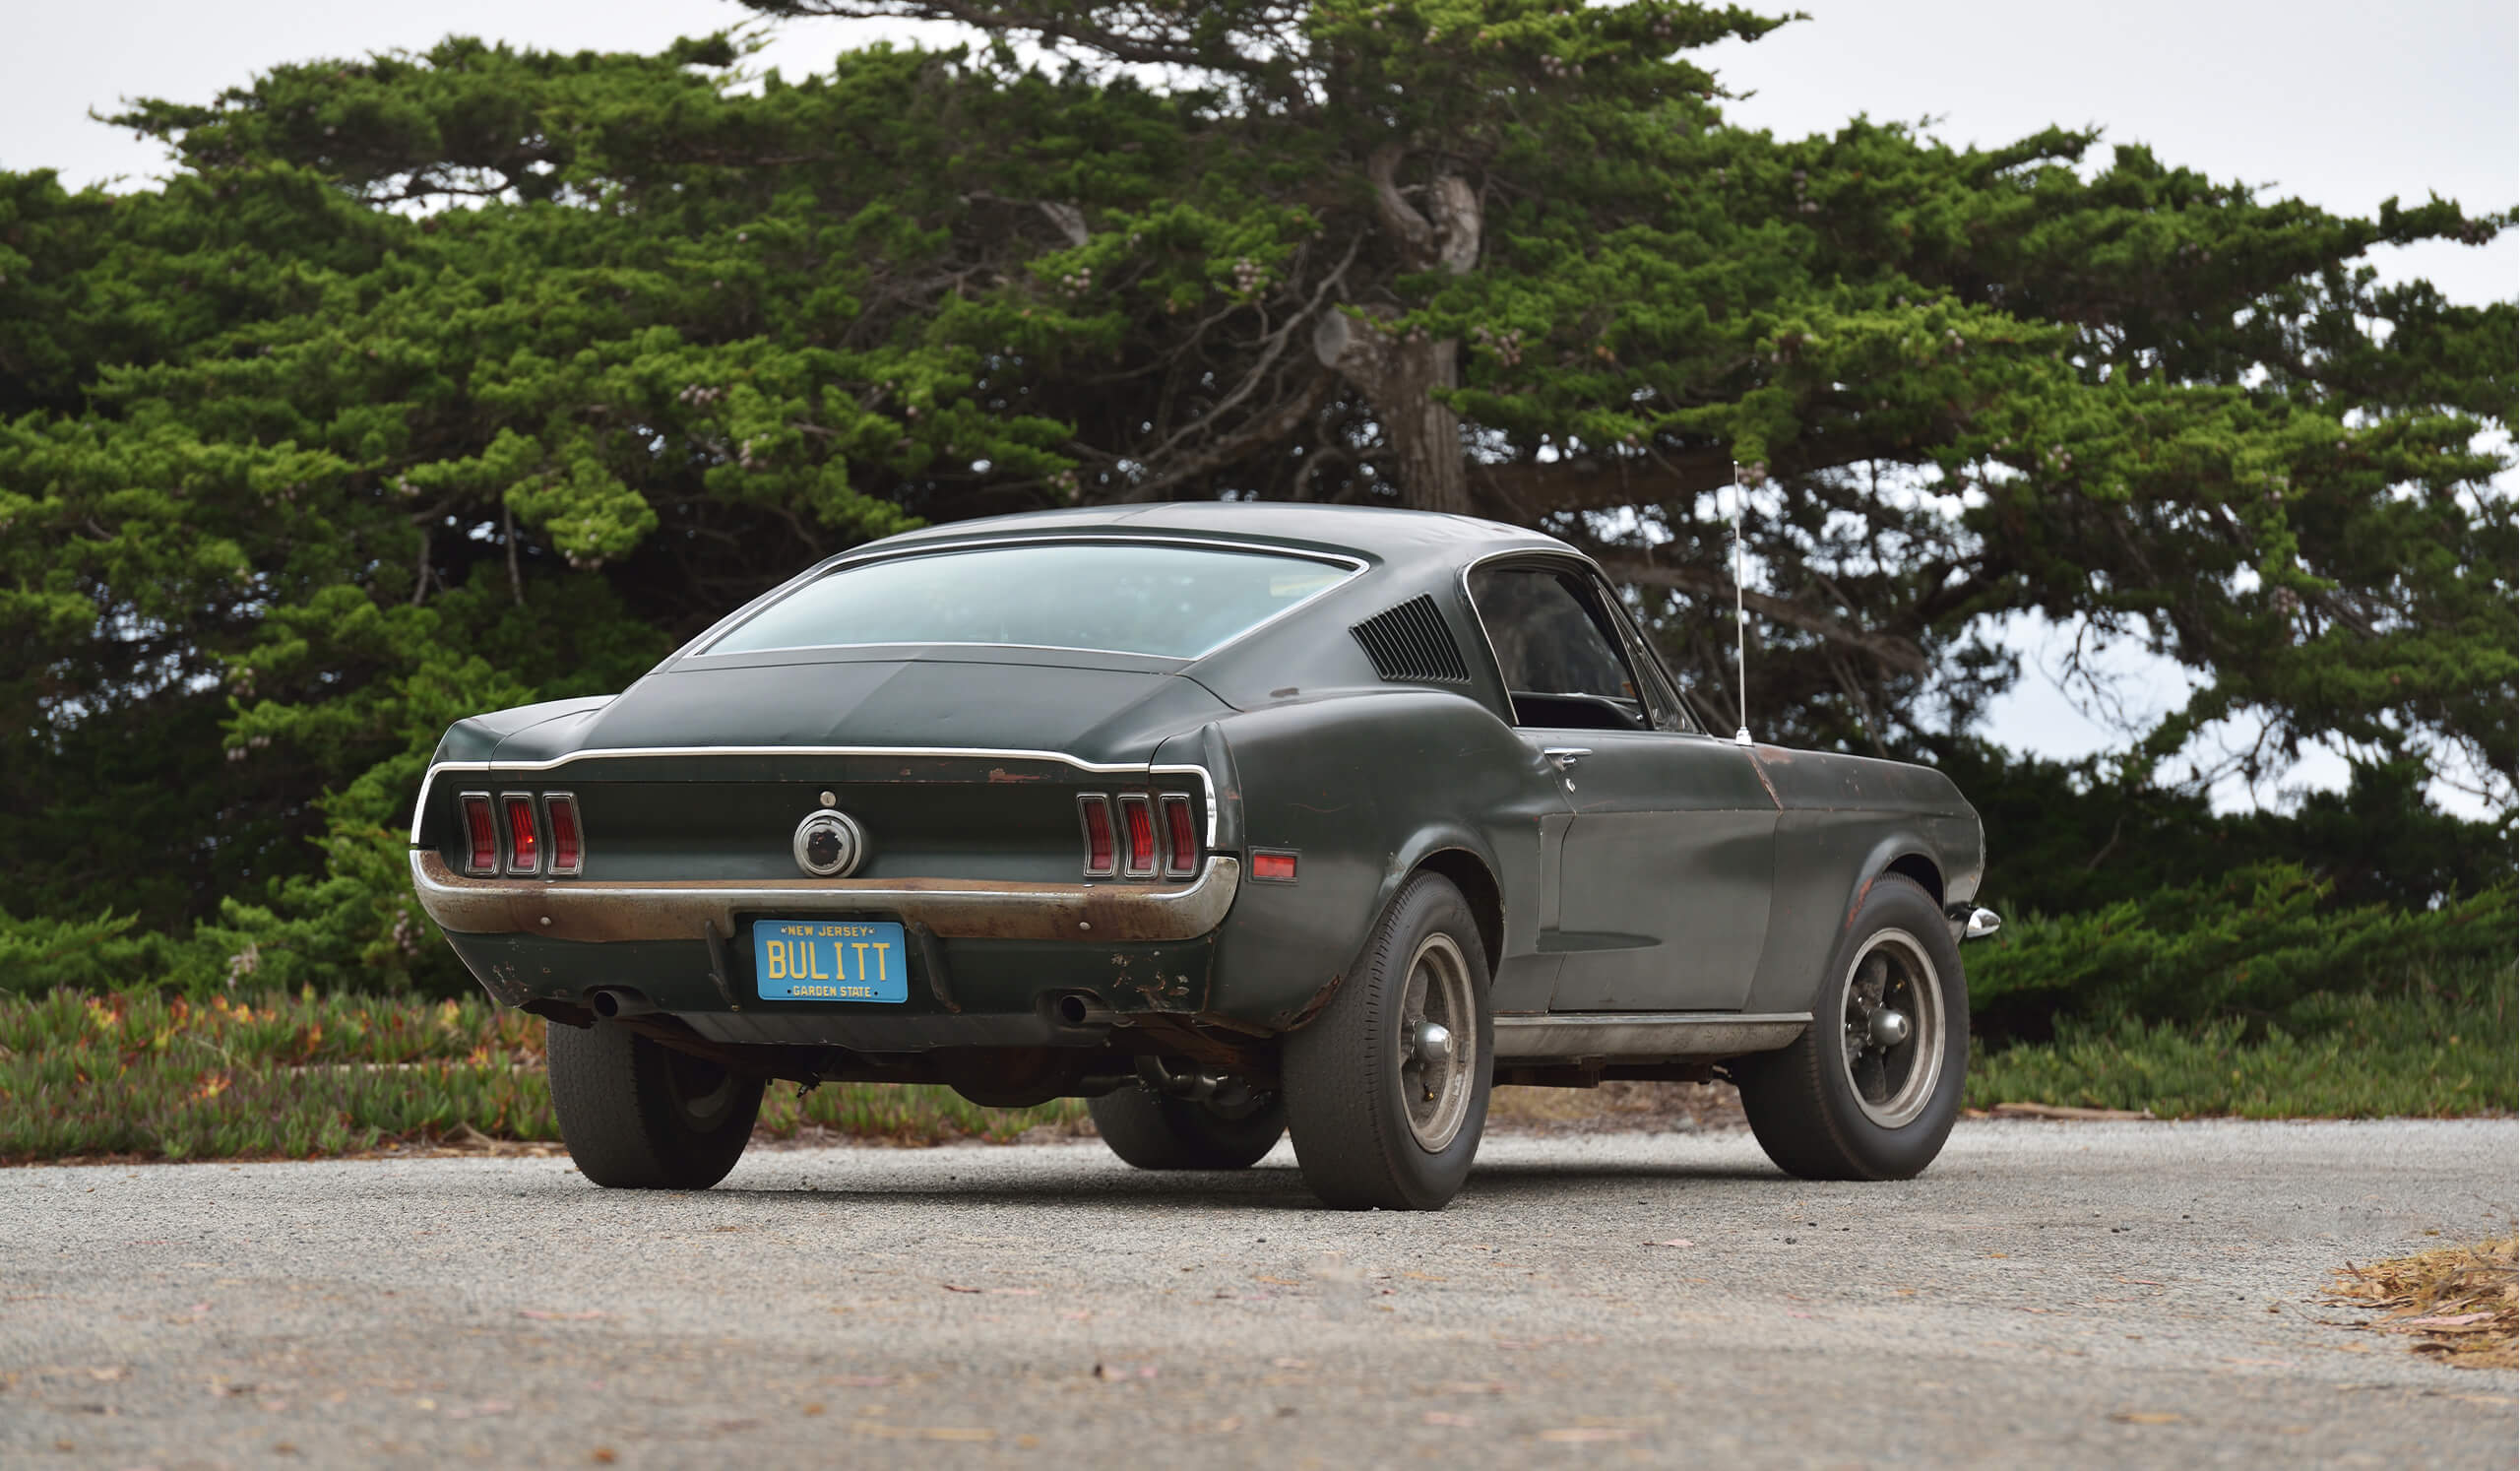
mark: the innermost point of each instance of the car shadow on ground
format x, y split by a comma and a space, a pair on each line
1265, 1187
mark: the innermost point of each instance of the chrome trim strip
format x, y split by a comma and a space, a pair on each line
1632, 639
632, 754
955, 908
1646, 1036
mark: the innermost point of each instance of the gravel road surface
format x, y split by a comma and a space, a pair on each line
2047, 1294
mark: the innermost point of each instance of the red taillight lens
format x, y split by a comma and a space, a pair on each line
481, 832
568, 853
525, 847
1276, 866
1101, 857
1137, 814
1181, 854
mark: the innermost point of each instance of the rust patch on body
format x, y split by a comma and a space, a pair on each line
1857, 908
1758, 767
999, 776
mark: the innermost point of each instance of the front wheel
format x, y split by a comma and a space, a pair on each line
1872, 1090
1387, 1089
640, 1116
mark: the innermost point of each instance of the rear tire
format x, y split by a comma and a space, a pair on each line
1155, 1132
1384, 1114
640, 1116
1844, 1103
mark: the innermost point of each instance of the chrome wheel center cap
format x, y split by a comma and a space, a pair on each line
1888, 1028
1433, 1043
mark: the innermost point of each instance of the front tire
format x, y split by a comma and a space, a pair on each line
1871, 1091
1152, 1131
1386, 1113
640, 1116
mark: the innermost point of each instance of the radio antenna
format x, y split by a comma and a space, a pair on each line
1741, 617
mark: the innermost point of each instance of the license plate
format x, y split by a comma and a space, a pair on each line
830, 960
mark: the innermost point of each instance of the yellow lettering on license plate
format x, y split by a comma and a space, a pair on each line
830, 960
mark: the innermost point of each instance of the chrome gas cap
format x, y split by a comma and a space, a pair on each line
829, 844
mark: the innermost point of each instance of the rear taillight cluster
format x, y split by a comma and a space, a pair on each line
1140, 835
522, 833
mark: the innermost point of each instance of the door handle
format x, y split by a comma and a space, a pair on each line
1564, 757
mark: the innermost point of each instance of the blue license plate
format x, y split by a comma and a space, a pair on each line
830, 960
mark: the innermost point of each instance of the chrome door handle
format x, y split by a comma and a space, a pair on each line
1564, 757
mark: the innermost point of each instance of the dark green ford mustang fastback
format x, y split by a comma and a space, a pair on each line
1239, 820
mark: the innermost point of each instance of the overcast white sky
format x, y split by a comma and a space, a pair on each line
2341, 102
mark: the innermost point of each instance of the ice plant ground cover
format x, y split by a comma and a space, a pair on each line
138, 1075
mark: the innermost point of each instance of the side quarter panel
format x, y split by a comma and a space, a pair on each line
1363, 787
1848, 821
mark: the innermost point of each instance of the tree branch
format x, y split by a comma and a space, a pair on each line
1147, 50
1898, 653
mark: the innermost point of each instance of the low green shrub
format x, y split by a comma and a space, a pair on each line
2439, 1049
2248, 946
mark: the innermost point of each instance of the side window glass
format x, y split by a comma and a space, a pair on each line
1562, 667
1662, 701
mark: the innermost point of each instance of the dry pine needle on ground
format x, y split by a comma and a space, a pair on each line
2461, 1302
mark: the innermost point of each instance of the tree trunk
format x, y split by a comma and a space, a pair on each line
1395, 372
1399, 372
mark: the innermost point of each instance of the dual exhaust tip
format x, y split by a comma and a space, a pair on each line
619, 1000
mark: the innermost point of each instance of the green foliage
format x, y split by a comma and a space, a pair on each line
40, 954
2424, 1050
137, 1073
2249, 947
2068, 838
436, 383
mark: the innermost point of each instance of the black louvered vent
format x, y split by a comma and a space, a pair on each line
1410, 642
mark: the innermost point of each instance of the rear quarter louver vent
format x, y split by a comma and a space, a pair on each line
1411, 643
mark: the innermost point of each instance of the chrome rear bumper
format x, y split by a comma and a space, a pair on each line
596, 911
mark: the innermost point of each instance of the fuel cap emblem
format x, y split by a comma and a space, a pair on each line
829, 844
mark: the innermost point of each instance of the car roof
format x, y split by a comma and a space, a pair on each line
1384, 535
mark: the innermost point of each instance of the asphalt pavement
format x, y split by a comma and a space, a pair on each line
2135, 1294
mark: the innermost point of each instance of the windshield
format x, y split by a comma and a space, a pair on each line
1133, 598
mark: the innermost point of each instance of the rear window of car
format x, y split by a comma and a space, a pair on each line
1171, 601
